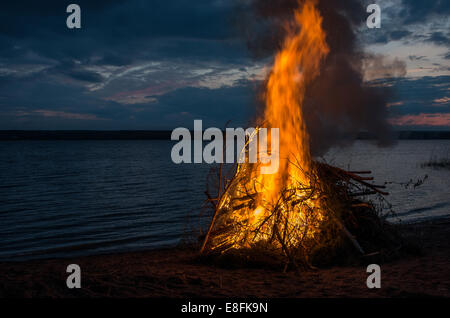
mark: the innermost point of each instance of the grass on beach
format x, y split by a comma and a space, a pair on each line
437, 163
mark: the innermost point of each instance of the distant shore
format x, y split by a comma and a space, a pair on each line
177, 272
165, 135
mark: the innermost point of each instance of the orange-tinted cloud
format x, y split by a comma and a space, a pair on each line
66, 115
423, 119
394, 104
442, 101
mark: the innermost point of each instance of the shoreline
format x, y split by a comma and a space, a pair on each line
178, 273
15, 135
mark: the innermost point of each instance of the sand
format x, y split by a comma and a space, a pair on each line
177, 272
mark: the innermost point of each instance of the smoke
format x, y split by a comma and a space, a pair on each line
338, 103
379, 66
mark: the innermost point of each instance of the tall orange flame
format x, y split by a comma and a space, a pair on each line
297, 63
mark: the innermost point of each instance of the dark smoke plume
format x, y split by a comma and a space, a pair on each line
338, 104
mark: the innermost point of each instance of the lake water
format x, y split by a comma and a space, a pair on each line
69, 198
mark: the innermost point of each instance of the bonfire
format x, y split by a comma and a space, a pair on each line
307, 209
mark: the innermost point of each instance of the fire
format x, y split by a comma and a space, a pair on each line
296, 64
280, 208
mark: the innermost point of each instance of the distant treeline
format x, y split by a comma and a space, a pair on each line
162, 135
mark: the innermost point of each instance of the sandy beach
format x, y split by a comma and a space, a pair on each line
179, 273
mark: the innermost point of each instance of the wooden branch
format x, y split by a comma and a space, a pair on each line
350, 236
365, 178
361, 205
357, 194
286, 250
360, 172
211, 200
218, 206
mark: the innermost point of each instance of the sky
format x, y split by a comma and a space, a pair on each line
149, 65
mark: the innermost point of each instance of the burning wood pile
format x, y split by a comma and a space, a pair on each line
307, 211
318, 223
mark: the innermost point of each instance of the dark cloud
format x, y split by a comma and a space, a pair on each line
135, 29
417, 95
233, 103
417, 58
74, 71
399, 34
55, 78
439, 38
46, 66
114, 59
400, 22
383, 36
418, 10
69, 108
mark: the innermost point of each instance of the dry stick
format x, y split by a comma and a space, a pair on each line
361, 180
360, 172
211, 200
220, 181
350, 236
285, 249
216, 209
375, 187
218, 206
358, 194
361, 205
366, 178
357, 178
